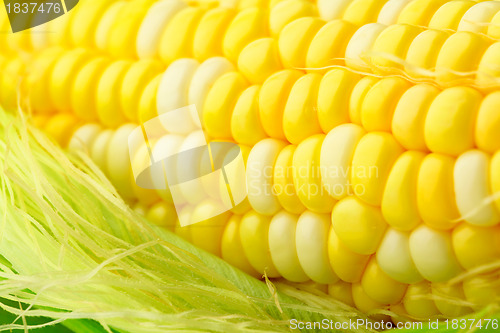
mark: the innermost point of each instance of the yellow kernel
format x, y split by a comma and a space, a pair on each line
418, 301
260, 170
380, 102
449, 125
409, 116
259, 59
394, 257
162, 214
232, 249
348, 265
220, 102
478, 16
282, 235
393, 42
481, 290
337, 152
272, 100
362, 11
245, 120
357, 53
472, 189
423, 53
254, 231
106, 24
307, 176
357, 97
459, 56
359, 226
391, 10
312, 247
488, 72
283, 184
449, 15
83, 137
204, 78
362, 301
373, 159
341, 291
449, 299
333, 106
380, 287
118, 161
476, 246
37, 79
494, 27
288, 11
134, 81
83, 92
296, 37
495, 178
207, 234
207, 39
63, 76
300, 117
61, 128
399, 201
332, 10
173, 93
176, 40
99, 148
435, 192
109, 109
84, 22
328, 46
432, 253
147, 103
248, 25
419, 12
123, 32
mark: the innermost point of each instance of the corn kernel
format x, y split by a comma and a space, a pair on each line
409, 116
260, 170
176, 40
347, 265
363, 11
360, 44
300, 117
207, 234
312, 247
272, 100
259, 59
394, 257
449, 15
333, 106
475, 18
449, 299
380, 287
296, 37
432, 253
476, 246
399, 201
357, 97
337, 152
288, 11
207, 42
232, 249
282, 235
418, 301
359, 226
421, 57
435, 192
373, 159
307, 176
283, 181
220, 102
254, 232
419, 12
245, 120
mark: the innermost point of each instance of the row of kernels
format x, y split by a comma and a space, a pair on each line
455, 15
433, 55
91, 86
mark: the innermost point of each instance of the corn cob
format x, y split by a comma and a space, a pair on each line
244, 99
